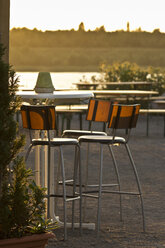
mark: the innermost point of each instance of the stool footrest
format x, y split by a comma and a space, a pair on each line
103, 185
62, 196
86, 193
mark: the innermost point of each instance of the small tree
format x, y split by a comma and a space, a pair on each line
100, 29
81, 27
22, 203
10, 143
128, 27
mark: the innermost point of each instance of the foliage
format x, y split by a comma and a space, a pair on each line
81, 59
124, 72
129, 72
81, 27
22, 203
82, 38
83, 51
10, 143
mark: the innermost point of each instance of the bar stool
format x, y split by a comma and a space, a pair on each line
98, 112
96, 108
43, 118
120, 117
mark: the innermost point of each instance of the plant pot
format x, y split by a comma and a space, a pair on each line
32, 241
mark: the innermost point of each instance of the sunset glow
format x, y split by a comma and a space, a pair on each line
68, 14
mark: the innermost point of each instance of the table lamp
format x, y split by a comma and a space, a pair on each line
44, 83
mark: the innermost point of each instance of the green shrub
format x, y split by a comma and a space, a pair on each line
131, 72
22, 205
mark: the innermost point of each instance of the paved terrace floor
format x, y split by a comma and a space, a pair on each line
149, 156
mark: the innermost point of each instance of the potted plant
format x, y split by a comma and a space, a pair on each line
22, 205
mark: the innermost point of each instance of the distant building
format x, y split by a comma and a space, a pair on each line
128, 28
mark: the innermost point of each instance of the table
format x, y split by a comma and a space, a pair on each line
126, 94
160, 104
86, 85
60, 97
95, 85
63, 97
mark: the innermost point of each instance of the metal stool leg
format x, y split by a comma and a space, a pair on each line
100, 189
77, 165
164, 124
86, 180
117, 176
48, 185
74, 183
57, 181
80, 117
80, 187
64, 192
138, 182
147, 125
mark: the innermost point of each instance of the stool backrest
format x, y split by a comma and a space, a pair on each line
98, 110
38, 117
123, 116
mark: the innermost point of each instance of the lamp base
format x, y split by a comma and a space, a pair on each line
43, 90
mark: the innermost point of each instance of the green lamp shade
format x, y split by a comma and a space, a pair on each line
44, 83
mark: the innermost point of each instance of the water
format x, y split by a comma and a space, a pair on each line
61, 80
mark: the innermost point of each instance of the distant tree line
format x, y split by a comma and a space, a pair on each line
81, 38
81, 50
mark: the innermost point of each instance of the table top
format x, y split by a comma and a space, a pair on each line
125, 92
86, 84
160, 102
112, 83
78, 94
158, 98
74, 94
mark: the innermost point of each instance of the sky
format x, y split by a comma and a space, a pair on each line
68, 14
